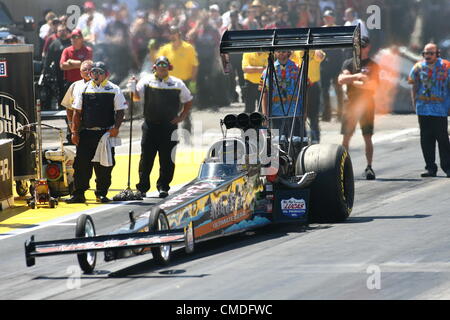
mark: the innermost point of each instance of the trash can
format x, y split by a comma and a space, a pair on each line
17, 106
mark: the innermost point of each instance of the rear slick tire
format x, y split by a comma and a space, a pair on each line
332, 192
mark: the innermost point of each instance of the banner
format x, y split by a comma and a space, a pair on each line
6, 166
17, 106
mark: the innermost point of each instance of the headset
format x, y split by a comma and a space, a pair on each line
438, 52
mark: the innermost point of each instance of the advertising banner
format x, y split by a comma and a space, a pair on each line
6, 173
17, 106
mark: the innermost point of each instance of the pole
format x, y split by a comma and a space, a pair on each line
131, 135
39, 140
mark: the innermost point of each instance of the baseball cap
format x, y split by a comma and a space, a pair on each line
192, 5
174, 29
76, 33
162, 59
99, 66
256, 3
329, 13
214, 7
89, 5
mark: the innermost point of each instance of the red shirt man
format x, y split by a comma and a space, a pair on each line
73, 56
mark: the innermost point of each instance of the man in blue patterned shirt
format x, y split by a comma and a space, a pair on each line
431, 97
283, 100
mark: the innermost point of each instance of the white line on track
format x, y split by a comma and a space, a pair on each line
396, 134
387, 267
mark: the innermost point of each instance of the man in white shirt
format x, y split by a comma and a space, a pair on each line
98, 108
67, 101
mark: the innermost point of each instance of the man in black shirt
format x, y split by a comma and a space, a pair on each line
167, 102
361, 87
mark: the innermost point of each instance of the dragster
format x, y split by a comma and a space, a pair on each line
255, 178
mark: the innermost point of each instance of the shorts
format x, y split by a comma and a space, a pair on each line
360, 111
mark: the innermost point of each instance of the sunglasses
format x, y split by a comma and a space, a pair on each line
431, 53
76, 37
162, 65
99, 72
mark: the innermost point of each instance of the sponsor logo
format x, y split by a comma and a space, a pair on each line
293, 207
12, 119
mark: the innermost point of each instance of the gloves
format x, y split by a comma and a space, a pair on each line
193, 87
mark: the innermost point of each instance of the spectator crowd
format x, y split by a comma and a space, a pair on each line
128, 36
126, 33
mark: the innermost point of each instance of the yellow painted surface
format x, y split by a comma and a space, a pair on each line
187, 165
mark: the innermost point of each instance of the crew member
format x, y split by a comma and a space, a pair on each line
253, 65
284, 97
361, 87
431, 97
67, 101
313, 100
163, 95
98, 108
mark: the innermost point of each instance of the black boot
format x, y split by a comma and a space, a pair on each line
76, 199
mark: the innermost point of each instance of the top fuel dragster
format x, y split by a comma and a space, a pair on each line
244, 182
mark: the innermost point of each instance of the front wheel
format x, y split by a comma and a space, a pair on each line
22, 188
332, 192
85, 228
158, 222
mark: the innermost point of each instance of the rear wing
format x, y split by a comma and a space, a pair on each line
294, 39
305, 39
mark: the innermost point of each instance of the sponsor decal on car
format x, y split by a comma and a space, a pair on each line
293, 207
